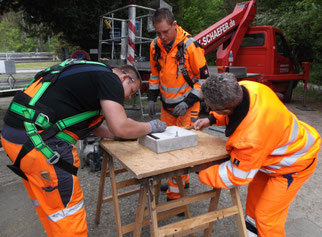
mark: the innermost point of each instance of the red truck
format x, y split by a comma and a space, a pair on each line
258, 53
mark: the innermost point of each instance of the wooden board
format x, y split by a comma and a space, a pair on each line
143, 162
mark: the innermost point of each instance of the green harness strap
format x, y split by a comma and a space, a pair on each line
42, 120
38, 142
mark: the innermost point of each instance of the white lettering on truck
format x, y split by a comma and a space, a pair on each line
207, 39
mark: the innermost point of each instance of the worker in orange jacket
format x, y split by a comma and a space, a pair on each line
43, 122
270, 149
178, 69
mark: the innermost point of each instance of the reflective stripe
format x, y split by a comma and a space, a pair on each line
173, 180
155, 41
224, 175
250, 221
154, 86
189, 42
175, 100
66, 212
240, 173
200, 81
290, 160
295, 131
180, 73
194, 79
267, 171
252, 226
197, 93
35, 202
173, 189
154, 77
251, 234
174, 89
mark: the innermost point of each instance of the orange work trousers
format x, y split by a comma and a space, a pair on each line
268, 201
55, 193
181, 121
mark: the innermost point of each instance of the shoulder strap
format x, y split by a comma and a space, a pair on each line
181, 66
157, 54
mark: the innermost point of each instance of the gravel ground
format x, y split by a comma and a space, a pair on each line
18, 218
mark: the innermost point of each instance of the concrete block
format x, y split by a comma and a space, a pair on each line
173, 138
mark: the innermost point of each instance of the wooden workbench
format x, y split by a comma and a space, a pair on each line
148, 168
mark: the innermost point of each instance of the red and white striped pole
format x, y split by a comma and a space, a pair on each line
131, 37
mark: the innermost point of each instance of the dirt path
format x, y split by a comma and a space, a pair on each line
304, 217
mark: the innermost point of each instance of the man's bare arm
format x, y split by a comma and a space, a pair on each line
103, 131
119, 124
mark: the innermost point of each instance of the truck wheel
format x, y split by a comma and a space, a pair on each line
288, 93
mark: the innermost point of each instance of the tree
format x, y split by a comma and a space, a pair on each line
77, 22
12, 38
300, 22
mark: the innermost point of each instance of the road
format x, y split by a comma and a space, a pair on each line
18, 217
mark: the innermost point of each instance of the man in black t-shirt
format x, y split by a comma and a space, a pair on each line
51, 180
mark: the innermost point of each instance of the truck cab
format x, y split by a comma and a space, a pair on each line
265, 51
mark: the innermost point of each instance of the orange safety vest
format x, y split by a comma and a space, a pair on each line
167, 73
269, 139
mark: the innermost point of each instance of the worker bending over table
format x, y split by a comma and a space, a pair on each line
43, 122
270, 149
178, 69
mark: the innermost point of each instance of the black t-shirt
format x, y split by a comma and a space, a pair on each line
80, 89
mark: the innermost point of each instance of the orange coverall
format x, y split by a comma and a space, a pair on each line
56, 194
271, 150
175, 89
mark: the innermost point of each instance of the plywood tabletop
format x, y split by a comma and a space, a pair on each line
143, 162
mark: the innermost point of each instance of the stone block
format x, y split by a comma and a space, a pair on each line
173, 138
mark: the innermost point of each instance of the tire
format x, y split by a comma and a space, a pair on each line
289, 92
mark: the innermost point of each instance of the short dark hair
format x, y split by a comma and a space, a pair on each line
163, 14
133, 72
222, 91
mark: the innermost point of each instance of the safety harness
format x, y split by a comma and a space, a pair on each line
33, 117
180, 58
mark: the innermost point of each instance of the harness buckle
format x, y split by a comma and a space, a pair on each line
42, 117
54, 159
32, 132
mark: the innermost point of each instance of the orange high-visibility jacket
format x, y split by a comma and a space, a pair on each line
269, 139
169, 80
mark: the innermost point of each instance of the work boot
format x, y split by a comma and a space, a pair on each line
180, 214
164, 187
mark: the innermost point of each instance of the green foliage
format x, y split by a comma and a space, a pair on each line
300, 22
9, 37
14, 36
197, 15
